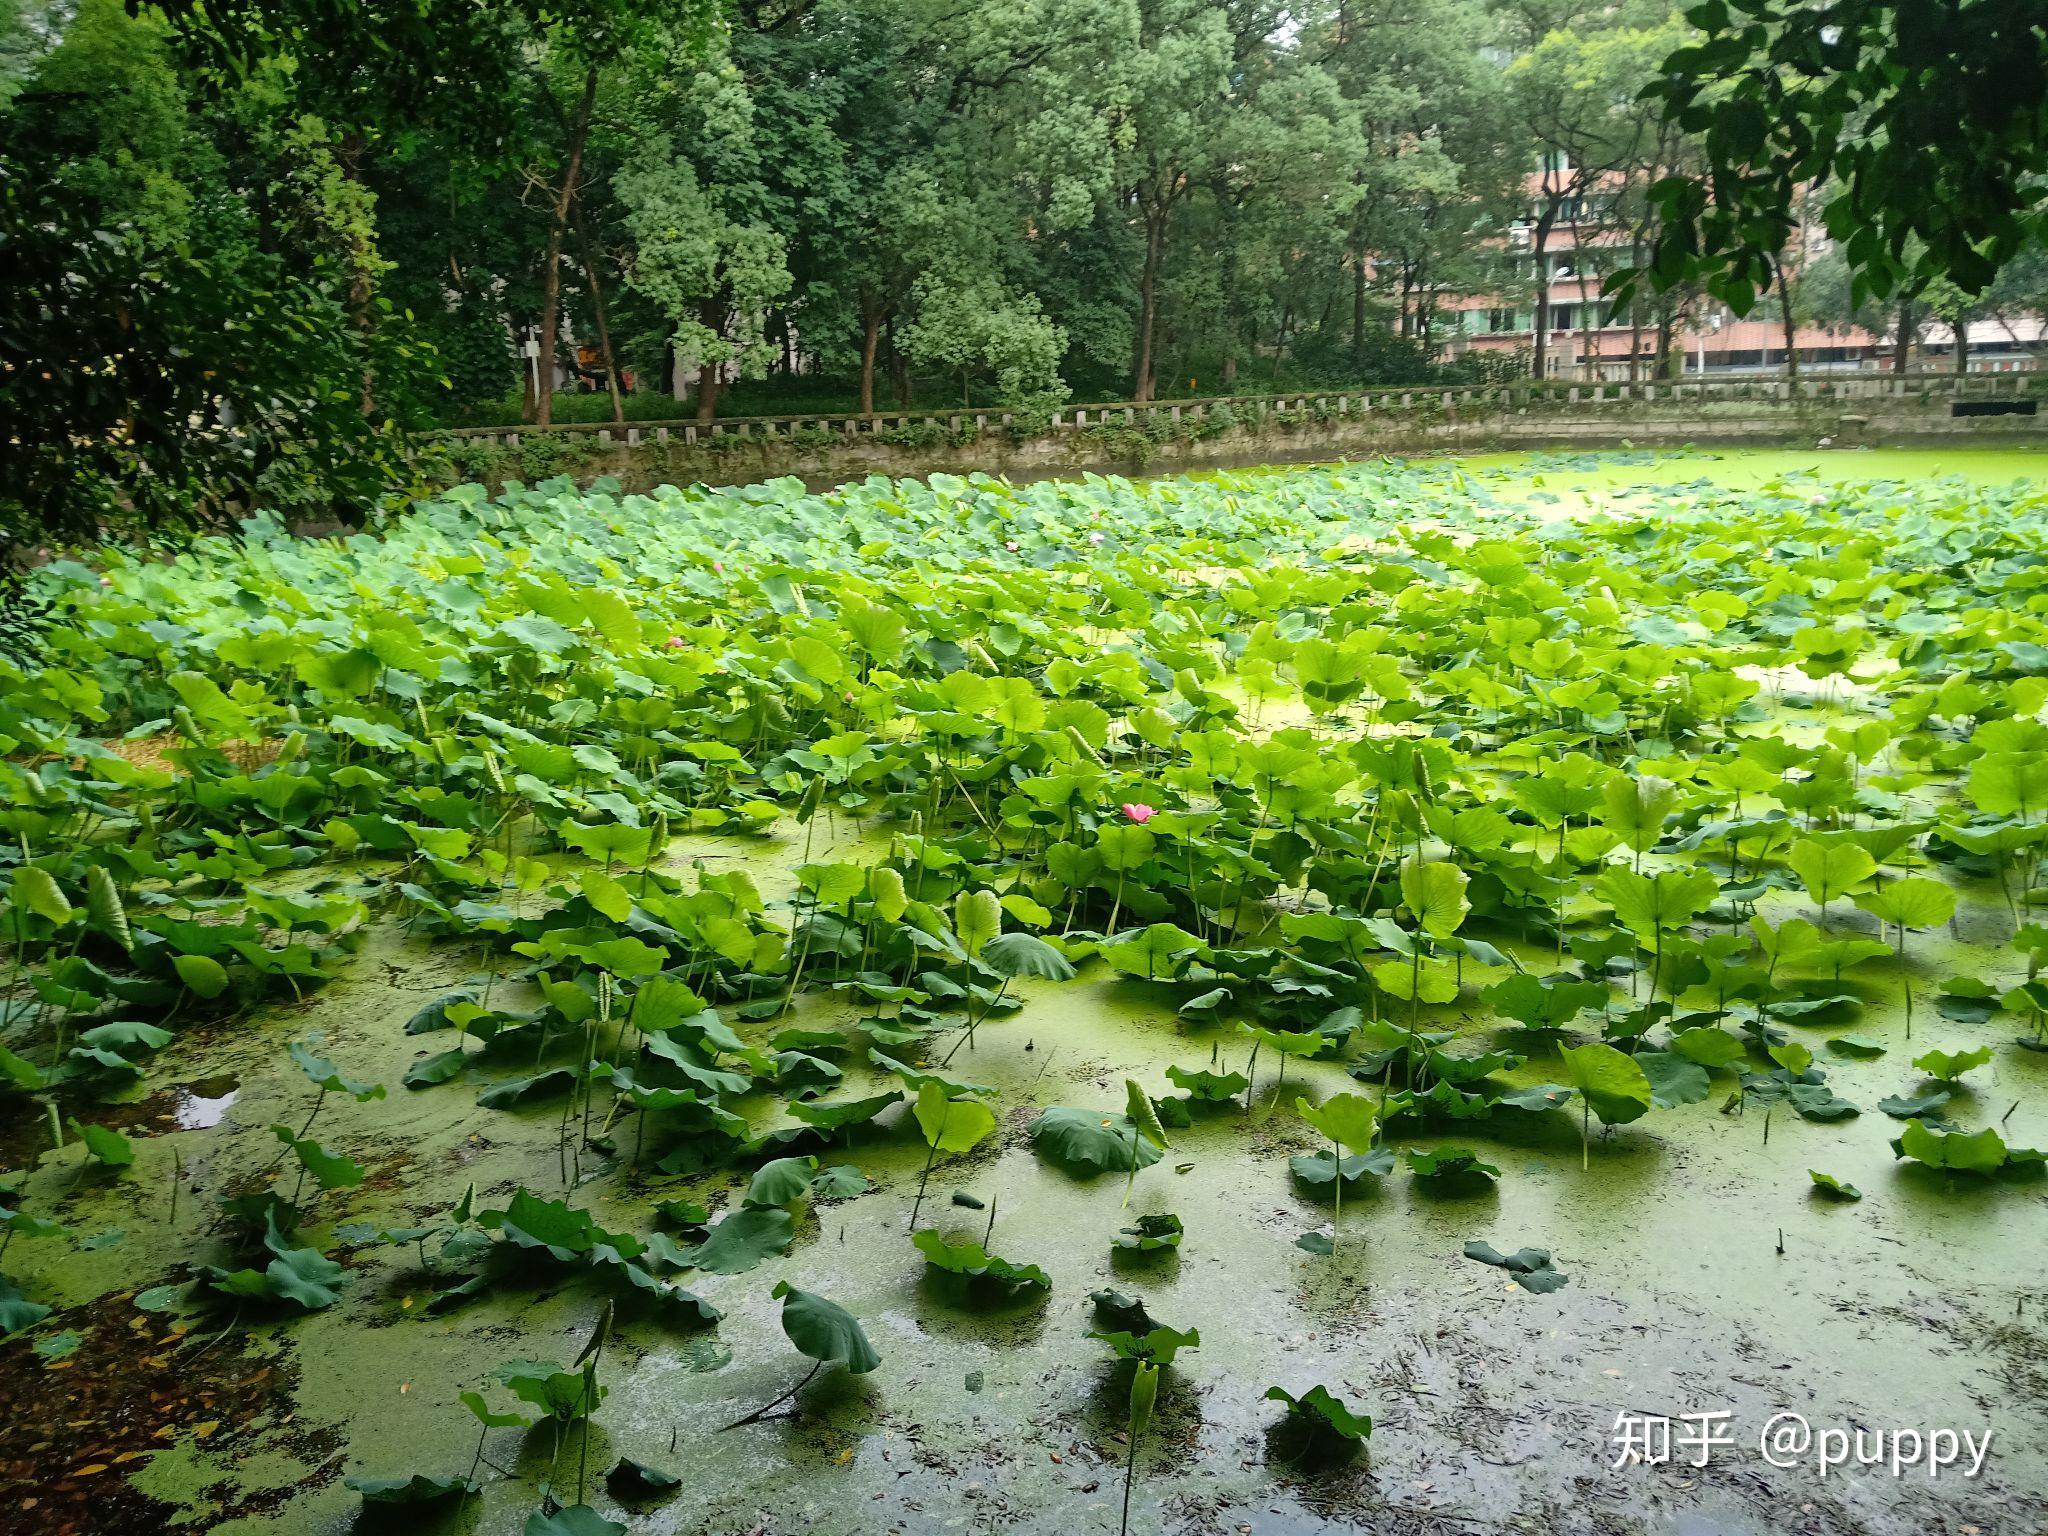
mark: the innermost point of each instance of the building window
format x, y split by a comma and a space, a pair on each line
1501, 320
1562, 315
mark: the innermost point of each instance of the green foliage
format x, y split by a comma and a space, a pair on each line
419, 1488
471, 730
742, 1241
967, 1258
1321, 1412
1434, 895
1151, 1234
1531, 1267
1086, 1143
951, 1123
824, 1331
1983, 1151
1744, 85
1612, 1085
1349, 1119
1947, 1066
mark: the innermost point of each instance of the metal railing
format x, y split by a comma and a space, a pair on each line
1294, 406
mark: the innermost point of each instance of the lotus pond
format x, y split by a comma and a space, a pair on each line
1273, 1002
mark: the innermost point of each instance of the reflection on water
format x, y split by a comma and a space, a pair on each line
196, 1106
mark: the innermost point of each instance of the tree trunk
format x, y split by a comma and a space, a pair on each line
1786, 323
1962, 328
1155, 229
708, 384
1358, 307
527, 398
604, 330
709, 380
1667, 322
1902, 344
1635, 315
1233, 320
1593, 350
899, 368
870, 341
1539, 246
551, 272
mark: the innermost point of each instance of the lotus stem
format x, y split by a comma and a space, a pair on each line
768, 1408
1337, 1215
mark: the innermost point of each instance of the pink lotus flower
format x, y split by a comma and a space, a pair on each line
1010, 545
1138, 813
106, 581
719, 566
1094, 538
675, 642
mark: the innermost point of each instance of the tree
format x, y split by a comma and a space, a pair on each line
707, 251
151, 390
1928, 127
582, 45
1169, 97
323, 90
160, 363
977, 324
1573, 93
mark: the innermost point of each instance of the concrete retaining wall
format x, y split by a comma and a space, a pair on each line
1426, 423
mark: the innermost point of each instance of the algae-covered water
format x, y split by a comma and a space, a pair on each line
1705, 1274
